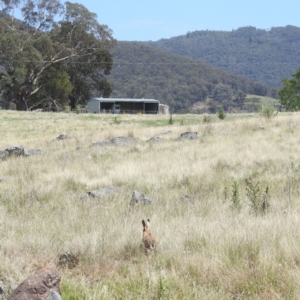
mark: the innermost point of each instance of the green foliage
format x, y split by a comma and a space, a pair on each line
235, 198
53, 62
207, 119
177, 81
246, 51
117, 120
290, 93
268, 112
259, 202
221, 113
171, 119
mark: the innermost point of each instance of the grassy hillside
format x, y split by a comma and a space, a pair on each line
141, 71
213, 244
263, 55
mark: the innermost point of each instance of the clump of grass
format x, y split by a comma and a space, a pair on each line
268, 112
259, 202
207, 118
235, 198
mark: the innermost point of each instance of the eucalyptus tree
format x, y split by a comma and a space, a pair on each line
290, 92
54, 54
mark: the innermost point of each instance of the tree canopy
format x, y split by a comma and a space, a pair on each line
290, 92
265, 56
56, 55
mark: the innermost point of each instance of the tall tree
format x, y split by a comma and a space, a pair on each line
33, 49
290, 92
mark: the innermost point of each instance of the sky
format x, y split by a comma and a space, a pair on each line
145, 20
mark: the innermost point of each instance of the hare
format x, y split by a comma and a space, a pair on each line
148, 240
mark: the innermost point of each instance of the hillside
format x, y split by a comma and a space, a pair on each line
143, 71
263, 55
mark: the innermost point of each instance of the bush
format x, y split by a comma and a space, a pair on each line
221, 113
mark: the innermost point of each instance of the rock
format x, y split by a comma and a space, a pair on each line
188, 136
3, 154
118, 141
15, 150
62, 136
2, 291
38, 285
34, 151
68, 260
54, 295
155, 139
139, 198
103, 192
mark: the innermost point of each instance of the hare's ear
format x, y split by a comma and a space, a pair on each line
144, 223
148, 223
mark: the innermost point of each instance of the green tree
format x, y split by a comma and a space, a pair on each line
290, 92
75, 50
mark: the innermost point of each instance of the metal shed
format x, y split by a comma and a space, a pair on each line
120, 105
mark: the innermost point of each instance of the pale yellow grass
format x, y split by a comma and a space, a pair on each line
207, 249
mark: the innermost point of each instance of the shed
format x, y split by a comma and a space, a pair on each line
122, 105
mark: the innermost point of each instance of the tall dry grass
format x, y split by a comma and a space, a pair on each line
207, 249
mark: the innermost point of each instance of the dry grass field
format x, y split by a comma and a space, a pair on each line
216, 240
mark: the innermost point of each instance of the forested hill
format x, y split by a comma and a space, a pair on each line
263, 55
141, 71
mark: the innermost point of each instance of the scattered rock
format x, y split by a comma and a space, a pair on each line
15, 150
38, 285
139, 198
188, 136
34, 151
3, 154
2, 291
118, 141
19, 151
187, 198
103, 192
68, 260
155, 139
62, 136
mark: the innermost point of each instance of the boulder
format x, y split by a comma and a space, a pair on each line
118, 141
155, 139
2, 291
103, 192
3, 154
15, 150
39, 285
34, 151
61, 136
139, 198
188, 136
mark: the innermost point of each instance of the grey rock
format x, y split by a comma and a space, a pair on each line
15, 150
118, 141
34, 151
62, 136
188, 136
2, 290
103, 192
3, 154
155, 139
54, 295
139, 198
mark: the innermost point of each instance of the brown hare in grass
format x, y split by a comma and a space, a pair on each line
148, 240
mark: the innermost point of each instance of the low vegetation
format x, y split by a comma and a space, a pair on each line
226, 215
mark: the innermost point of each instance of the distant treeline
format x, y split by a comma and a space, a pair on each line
263, 55
141, 71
